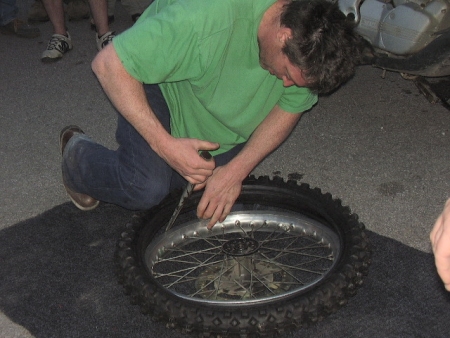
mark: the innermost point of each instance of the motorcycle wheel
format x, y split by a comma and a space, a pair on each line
285, 257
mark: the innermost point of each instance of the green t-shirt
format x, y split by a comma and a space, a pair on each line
205, 57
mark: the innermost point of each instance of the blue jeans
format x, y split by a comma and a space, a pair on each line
133, 176
8, 11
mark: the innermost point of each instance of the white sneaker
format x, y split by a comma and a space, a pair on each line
104, 40
57, 47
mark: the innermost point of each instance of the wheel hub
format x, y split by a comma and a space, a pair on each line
240, 246
242, 278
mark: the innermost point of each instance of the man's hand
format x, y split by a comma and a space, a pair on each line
221, 191
440, 240
182, 154
225, 184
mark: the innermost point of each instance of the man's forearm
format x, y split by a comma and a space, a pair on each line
275, 128
224, 186
128, 96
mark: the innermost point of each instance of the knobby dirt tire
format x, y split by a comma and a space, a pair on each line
288, 256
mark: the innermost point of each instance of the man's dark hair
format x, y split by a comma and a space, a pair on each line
323, 44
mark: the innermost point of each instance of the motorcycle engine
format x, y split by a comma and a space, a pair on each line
399, 27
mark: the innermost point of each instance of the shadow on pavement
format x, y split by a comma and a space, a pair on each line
58, 280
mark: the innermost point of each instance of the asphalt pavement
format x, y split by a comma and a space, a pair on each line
376, 143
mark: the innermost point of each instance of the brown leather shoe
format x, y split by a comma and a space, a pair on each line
81, 201
20, 28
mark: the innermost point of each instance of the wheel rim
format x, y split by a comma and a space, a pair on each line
251, 257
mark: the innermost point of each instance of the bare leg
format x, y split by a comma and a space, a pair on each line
99, 12
55, 13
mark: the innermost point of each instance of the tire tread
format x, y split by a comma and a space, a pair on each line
260, 321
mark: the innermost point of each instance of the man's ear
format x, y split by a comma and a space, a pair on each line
284, 34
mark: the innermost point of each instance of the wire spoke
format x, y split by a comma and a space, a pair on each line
244, 260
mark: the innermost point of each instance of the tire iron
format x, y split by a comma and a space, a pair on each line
186, 193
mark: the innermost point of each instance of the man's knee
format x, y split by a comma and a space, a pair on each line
144, 196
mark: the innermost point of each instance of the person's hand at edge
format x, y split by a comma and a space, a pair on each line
440, 240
